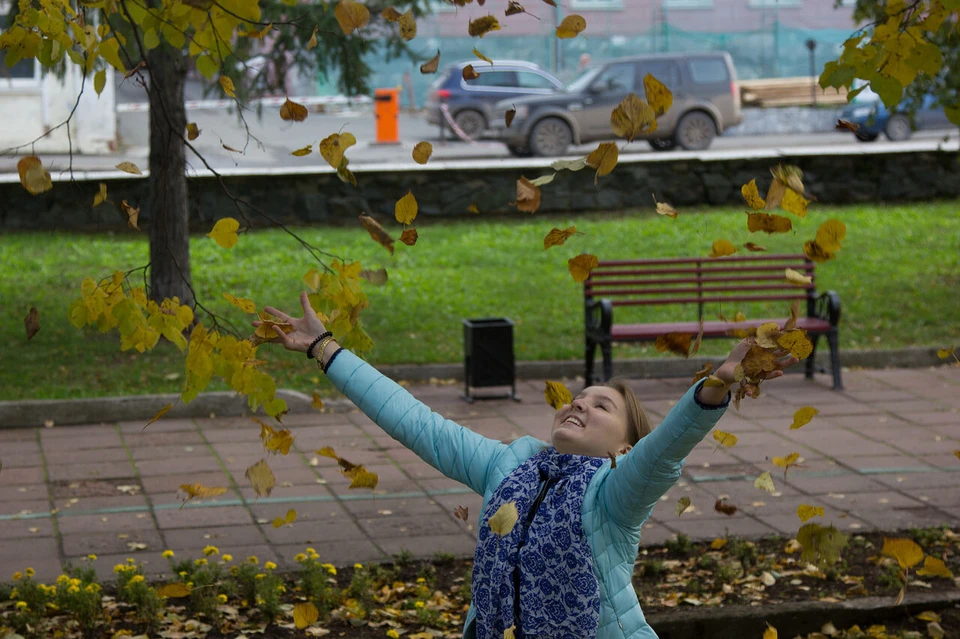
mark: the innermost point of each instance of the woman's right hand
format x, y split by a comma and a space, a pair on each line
305, 329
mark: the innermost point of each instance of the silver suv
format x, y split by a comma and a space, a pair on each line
706, 101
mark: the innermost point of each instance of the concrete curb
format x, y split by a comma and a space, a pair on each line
735, 622
63, 412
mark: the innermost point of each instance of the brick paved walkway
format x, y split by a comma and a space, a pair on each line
879, 456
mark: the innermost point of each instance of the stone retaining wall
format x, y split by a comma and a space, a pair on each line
447, 189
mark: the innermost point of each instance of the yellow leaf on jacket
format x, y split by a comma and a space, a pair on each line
557, 394
906, 551
807, 512
725, 439
503, 521
571, 26
658, 95
261, 478
581, 265
765, 482
224, 232
351, 16
291, 110
406, 209
422, 152
305, 614
227, 85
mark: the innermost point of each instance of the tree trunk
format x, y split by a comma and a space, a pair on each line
168, 209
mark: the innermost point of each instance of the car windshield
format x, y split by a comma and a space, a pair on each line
582, 82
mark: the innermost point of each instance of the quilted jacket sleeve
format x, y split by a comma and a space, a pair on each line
645, 473
455, 451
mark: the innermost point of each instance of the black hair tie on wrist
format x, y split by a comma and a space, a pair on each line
317, 341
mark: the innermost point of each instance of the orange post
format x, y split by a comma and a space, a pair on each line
387, 114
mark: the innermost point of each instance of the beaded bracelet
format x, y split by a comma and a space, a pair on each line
315, 342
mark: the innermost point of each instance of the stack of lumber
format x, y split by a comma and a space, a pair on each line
773, 92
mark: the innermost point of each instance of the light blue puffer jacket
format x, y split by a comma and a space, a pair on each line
616, 504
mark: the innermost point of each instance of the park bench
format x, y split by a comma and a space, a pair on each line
698, 281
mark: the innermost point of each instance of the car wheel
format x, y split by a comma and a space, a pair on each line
866, 137
898, 128
519, 151
472, 123
662, 144
696, 131
550, 137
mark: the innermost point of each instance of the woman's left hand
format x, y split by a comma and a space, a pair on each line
726, 371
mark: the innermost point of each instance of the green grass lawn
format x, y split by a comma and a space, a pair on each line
897, 275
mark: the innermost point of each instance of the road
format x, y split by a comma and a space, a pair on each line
271, 140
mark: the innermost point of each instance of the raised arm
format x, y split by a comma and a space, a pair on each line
455, 451
646, 472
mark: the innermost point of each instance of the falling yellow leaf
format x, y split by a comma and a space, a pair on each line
722, 248
503, 521
287, 520
175, 590
227, 85
408, 26
942, 353
473, 209
765, 482
725, 439
795, 203
906, 551
807, 512
312, 42
543, 179
581, 265
718, 544
665, 209
261, 478
786, 462
469, 73
803, 416
360, 477
794, 277
677, 343
754, 248
406, 209
334, 146
390, 14
244, 304
317, 402
571, 26
830, 235
160, 413
199, 491
658, 95
422, 152
31, 323
770, 632
307, 150
131, 213
929, 615
528, 196
461, 513
821, 544
291, 110
774, 194
351, 16
482, 57
100, 81
101, 197
797, 342
682, 505
34, 178
633, 117
752, 195
377, 233
815, 252
409, 236
934, 567
431, 65
305, 614
224, 232
557, 237
129, 167
557, 395
604, 159
482, 26
768, 223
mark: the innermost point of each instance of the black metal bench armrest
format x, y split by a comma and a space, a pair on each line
605, 320
828, 307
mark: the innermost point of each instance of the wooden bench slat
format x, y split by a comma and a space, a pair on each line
700, 289
731, 258
683, 280
596, 274
640, 332
710, 300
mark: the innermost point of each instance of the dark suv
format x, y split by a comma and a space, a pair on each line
706, 100
471, 101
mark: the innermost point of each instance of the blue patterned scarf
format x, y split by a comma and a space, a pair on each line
560, 594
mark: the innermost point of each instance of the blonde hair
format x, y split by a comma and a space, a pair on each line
638, 424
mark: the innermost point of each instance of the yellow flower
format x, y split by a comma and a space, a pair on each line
421, 580
281, 588
183, 573
21, 605
311, 551
117, 569
75, 582
62, 579
167, 554
270, 565
29, 572
131, 560
136, 579
200, 562
227, 557
419, 604
300, 558
92, 557
253, 560
358, 566
393, 634
211, 550
260, 575
330, 568
73, 590
17, 576
14, 593
222, 598
94, 587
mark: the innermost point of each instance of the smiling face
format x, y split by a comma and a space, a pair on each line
594, 424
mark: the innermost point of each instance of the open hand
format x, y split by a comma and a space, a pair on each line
726, 370
305, 329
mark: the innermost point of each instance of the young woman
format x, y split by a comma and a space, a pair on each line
564, 570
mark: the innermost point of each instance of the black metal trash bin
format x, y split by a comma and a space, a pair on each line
488, 356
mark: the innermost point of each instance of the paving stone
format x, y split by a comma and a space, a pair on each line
427, 547
14, 436
111, 523
707, 529
96, 437
147, 439
85, 456
25, 507
890, 519
313, 530
178, 465
338, 553
200, 517
13, 477
46, 566
88, 504
226, 538
165, 425
22, 459
655, 533
22, 492
169, 451
92, 470
26, 528
171, 483
406, 525
78, 544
